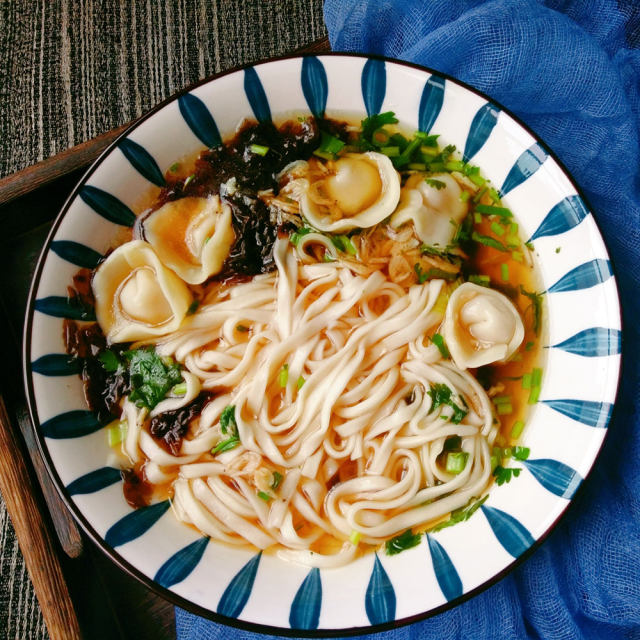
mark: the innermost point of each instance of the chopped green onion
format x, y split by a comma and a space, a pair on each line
513, 228
528, 346
116, 432
477, 218
264, 496
391, 152
516, 430
324, 154
226, 445
300, 382
498, 229
536, 377
494, 195
488, 241
428, 140
504, 271
380, 137
490, 210
464, 196
277, 479
354, 538
438, 340
558, 249
456, 461
259, 149
502, 400
180, 389
534, 394
417, 166
483, 281
283, 377
521, 453
187, 180
431, 152
454, 165
517, 256
477, 179
436, 184
504, 409
174, 167
330, 144
344, 244
294, 238
513, 242
526, 381
405, 156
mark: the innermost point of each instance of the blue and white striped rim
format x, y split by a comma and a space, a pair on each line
373, 591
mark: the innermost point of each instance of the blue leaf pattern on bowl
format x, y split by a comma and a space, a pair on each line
237, 593
525, 166
134, 524
256, 95
181, 563
142, 161
72, 424
56, 364
568, 213
555, 476
374, 85
63, 307
94, 481
481, 127
446, 573
380, 599
314, 85
593, 342
200, 120
76, 253
584, 276
511, 534
593, 414
305, 609
430, 102
107, 205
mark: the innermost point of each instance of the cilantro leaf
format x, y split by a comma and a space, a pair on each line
460, 515
109, 361
226, 445
440, 395
535, 306
151, 376
402, 542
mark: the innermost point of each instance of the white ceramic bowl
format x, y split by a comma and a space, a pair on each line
565, 431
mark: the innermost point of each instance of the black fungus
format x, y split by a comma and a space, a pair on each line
171, 426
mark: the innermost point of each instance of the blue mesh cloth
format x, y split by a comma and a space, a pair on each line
571, 70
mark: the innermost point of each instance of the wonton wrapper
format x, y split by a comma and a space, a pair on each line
364, 188
435, 213
136, 296
481, 326
192, 236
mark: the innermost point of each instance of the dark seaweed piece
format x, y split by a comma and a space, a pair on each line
171, 426
252, 251
136, 488
103, 389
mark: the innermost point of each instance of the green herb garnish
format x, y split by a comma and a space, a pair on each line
488, 241
294, 238
438, 340
535, 306
283, 376
436, 184
193, 307
490, 210
402, 542
264, 496
109, 361
277, 479
423, 276
460, 515
440, 395
226, 445
259, 149
228, 420
456, 461
344, 244
504, 474
151, 376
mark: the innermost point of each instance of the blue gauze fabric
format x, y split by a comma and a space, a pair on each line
571, 70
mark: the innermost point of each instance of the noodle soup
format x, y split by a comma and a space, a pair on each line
321, 338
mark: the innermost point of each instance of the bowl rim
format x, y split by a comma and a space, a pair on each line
148, 582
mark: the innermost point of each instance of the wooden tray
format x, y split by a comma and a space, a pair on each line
81, 593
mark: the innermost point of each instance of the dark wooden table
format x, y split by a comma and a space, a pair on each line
109, 604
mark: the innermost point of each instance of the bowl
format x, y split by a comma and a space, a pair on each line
566, 427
